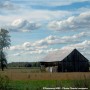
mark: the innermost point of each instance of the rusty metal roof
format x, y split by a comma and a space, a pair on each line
57, 55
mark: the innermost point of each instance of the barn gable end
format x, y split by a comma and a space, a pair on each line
72, 61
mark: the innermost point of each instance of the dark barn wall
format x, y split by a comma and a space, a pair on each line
47, 64
74, 62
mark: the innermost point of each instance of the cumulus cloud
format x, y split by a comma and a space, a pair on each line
43, 46
83, 47
40, 51
50, 40
80, 22
27, 46
23, 25
8, 5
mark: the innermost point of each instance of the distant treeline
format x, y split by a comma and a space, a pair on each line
24, 64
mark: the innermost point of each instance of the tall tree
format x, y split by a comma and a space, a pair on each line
4, 43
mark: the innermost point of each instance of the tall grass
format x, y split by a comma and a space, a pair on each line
7, 84
85, 83
4, 83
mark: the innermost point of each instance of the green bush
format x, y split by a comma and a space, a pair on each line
5, 83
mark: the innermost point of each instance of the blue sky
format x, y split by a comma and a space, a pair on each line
75, 5
38, 27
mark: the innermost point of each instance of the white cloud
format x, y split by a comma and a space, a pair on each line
37, 51
27, 46
83, 47
50, 40
8, 5
41, 48
75, 37
23, 25
81, 22
22, 11
43, 15
17, 54
32, 15
54, 2
61, 2
83, 9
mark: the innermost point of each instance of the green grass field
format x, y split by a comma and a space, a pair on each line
33, 79
7, 84
40, 84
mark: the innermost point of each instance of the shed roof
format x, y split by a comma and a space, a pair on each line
57, 55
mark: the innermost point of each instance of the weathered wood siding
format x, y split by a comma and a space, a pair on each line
74, 62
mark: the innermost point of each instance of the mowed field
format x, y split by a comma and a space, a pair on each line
36, 74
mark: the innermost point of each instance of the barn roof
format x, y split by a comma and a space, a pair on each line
57, 55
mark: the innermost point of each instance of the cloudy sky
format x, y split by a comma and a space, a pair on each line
38, 27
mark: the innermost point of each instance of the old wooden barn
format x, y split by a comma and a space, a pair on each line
66, 61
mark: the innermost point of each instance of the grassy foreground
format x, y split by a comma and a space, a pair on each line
33, 79
42, 84
35, 74
6, 84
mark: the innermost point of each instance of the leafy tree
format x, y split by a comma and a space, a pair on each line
3, 60
4, 43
